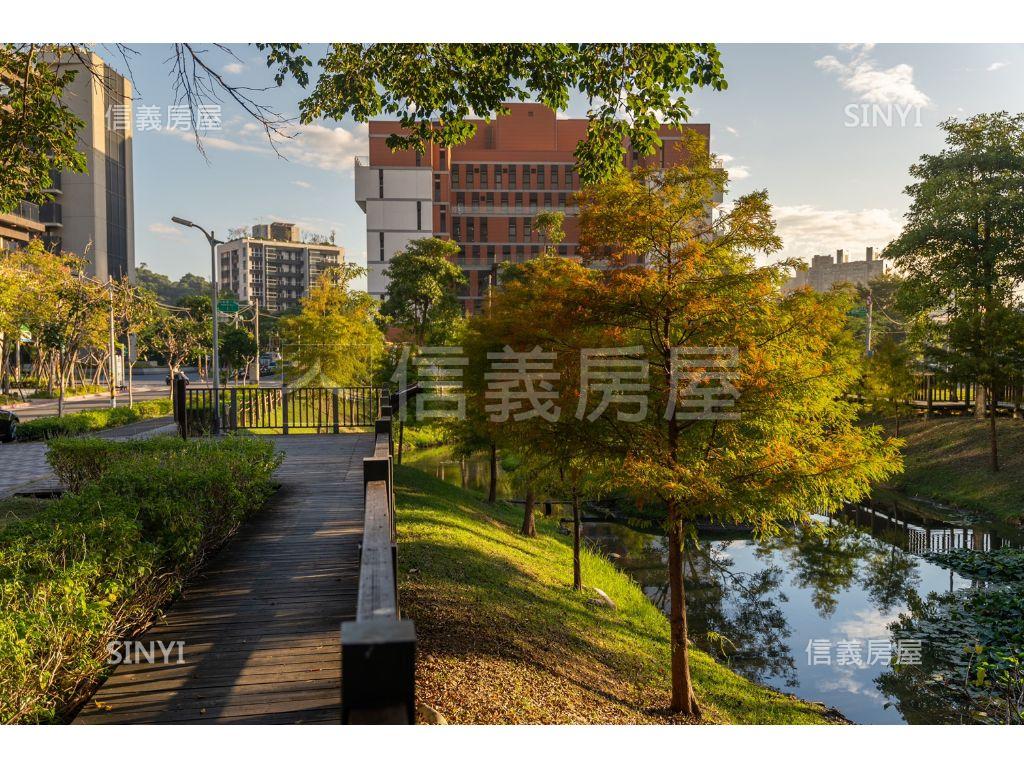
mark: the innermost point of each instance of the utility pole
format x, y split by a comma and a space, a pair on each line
214, 242
256, 307
113, 351
870, 313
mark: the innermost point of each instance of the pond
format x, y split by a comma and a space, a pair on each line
809, 615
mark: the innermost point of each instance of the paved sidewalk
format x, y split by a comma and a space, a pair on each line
23, 466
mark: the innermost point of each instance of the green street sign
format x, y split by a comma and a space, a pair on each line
858, 312
227, 306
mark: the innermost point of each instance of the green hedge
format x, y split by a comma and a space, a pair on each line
95, 565
49, 427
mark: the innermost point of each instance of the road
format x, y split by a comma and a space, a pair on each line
147, 384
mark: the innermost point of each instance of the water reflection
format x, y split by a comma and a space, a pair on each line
757, 606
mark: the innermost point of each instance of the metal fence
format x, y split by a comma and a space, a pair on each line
276, 409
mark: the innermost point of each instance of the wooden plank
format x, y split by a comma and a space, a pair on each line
260, 628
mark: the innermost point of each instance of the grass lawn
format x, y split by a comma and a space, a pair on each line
504, 639
947, 460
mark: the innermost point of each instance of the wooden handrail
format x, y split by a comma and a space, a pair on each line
378, 648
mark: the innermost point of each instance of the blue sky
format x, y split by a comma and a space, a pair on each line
786, 123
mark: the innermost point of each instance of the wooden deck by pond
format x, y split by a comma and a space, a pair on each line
260, 627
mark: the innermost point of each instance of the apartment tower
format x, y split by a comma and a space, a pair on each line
92, 213
483, 194
274, 266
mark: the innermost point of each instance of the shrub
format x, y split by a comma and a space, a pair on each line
49, 427
96, 564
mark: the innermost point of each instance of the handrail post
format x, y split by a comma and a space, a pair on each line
178, 402
233, 420
334, 409
284, 410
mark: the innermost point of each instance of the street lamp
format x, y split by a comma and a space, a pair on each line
214, 242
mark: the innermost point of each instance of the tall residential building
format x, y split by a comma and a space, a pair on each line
825, 272
92, 213
483, 194
274, 266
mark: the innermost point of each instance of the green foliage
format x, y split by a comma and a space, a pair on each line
999, 565
172, 291
237, 348
421, 297
435, 88
48, 427
334, 341
94, 566
37, 130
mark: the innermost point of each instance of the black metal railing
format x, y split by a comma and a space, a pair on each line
275, 409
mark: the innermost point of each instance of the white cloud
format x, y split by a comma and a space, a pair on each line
736, 172
303, 184
330, 149
234, 68
862, 76
806, 230
733, 131
165, 230
997, 65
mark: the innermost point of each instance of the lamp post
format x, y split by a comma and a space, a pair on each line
214, 242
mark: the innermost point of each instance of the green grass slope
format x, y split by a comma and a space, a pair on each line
504, 639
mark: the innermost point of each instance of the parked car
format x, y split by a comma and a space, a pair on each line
177, 375
8, 426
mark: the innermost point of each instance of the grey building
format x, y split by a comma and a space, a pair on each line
273, 266
92, 214
825, 272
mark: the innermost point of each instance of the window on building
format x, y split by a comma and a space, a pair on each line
469, 175
444, 221
483, 230
419, 215
540, 176
380, 182
490, 253
512, 177
519, 199
419, 159
512, 229
547, 199
457, 228
497, 175
460, 198
483, 175
476, 253
533, 200
554, 177
526, 229
562, 200
470, 230
504, 199
380, 245
443, 155
455, 175
437, 187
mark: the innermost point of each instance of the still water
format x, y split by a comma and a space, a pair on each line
809, 615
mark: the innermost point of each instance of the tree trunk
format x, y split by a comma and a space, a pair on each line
992, 442
979, 401
577, 576
529, 519
683, 698
492, 489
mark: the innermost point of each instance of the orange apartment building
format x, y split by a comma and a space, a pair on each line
483, 194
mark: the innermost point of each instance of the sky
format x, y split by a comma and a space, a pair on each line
829, 130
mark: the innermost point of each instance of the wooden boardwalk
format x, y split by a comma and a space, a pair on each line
261, 627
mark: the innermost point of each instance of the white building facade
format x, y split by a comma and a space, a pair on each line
398, 203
